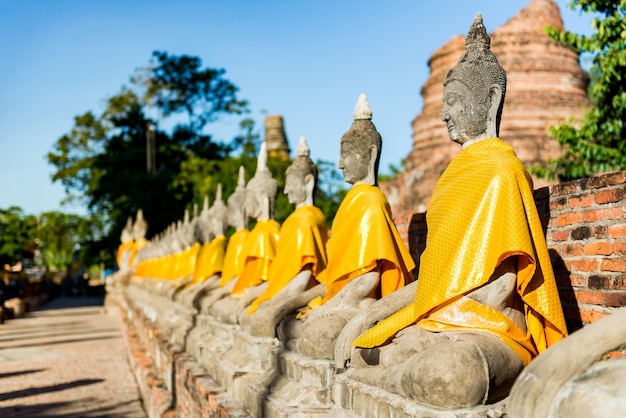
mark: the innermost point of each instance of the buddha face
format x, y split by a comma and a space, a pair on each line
217, 226
235, 213
139, 232
464, 115
295, 188
253, 202
353, 162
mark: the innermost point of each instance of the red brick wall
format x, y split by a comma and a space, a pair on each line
585, 225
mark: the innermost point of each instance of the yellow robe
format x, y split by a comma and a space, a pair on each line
363, 238
234, 257
482, 212
187, 263
302, 241
127, 246
259, 249
210, 260
138, 245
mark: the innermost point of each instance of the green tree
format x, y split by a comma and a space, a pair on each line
103, 159
18, 233
60, 234
597, 143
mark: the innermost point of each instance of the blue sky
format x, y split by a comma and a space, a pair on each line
305, 60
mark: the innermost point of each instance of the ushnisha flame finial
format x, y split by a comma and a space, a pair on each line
362, 110
241, 180
205, 204
303, 148
218, 193
261, 164
477, 36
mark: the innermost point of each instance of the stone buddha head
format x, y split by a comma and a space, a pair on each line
237, 216
261, 190
127, 232
218, 214
301, 177
474, 90
361, 147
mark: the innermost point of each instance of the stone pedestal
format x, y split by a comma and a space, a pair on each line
302, 387
356, 399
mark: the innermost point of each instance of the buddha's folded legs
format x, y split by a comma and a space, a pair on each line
445, 370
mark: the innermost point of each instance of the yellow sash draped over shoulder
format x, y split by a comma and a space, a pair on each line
302, 241
482, 212
363, 234
127, 246
210, 260
259, 249
234, 257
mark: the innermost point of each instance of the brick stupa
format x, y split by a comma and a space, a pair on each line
545, 85
275, 137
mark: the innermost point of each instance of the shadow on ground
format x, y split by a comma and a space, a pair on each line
56, 409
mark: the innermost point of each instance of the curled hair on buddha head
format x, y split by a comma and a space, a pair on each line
303, 165
262, 181
362, 134
478, 68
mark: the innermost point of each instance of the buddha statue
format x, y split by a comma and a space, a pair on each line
366, 256
187, 253
234, 256
210, 260
300, 252
485, 302
238, 219
259, 248
140, 228
211, 257
126, 247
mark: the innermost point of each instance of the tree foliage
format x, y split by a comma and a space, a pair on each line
103, 159
18, 233
55, 235
597, 143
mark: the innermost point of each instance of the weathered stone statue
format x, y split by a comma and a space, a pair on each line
260, 244
234, 256
186, 253
366, 256
140, 228
126, 247
300, 253
486, 301
211, 256
238, 219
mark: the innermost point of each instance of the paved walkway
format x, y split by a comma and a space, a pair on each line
67, 359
